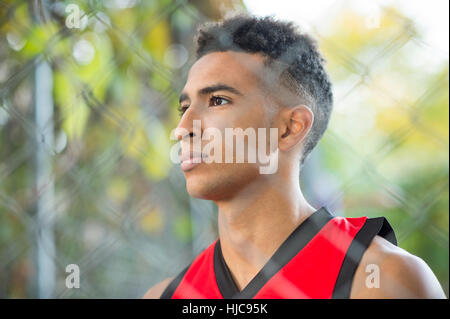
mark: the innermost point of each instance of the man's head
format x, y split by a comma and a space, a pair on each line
254, 73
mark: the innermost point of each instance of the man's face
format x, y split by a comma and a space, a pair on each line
223, 90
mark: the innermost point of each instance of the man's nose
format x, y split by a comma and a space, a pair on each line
185, 128
183, 134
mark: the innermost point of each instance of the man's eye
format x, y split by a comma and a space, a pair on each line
182, 109
217, 101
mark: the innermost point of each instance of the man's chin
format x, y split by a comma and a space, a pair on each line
217, 184
201, 192
205, 188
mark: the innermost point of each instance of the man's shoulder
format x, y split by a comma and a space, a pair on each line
388, 271
156, 291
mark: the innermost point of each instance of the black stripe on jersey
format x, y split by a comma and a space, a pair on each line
170, 289
372, 227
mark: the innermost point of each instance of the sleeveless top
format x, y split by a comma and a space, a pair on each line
317, 260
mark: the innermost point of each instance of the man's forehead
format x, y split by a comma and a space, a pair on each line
236, 68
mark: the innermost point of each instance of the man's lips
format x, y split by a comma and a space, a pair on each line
189, 160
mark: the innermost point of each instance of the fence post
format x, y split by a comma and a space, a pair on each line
43, 182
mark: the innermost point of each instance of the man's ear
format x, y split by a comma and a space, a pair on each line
295, 123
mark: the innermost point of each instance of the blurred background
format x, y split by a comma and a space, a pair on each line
88, 97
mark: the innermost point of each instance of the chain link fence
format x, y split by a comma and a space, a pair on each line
88, 95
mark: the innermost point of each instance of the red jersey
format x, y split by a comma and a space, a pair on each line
317, 260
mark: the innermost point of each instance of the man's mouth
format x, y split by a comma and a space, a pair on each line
189, 160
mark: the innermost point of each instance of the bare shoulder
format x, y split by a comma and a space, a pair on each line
156, 291
388, 271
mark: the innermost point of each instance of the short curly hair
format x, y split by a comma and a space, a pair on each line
278, 41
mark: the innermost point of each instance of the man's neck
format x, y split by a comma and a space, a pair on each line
254, 223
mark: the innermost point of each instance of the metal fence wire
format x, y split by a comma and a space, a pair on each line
88, 94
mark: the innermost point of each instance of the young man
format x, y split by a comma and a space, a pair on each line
261, 73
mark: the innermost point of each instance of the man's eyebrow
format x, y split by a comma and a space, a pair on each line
183, 97
219, 87
211, 89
